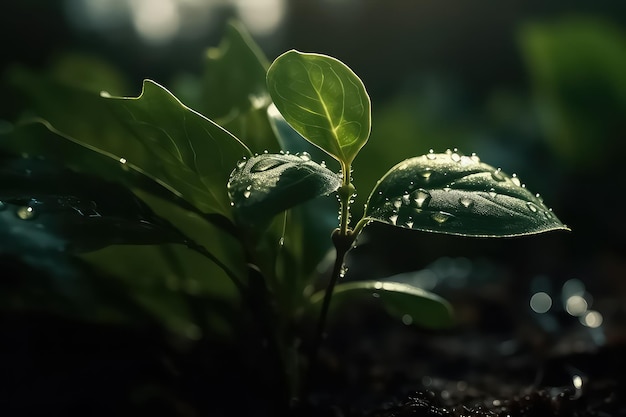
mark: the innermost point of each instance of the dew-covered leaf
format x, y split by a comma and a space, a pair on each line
457, 194
267, 184
44, 207
411, 304
323, 100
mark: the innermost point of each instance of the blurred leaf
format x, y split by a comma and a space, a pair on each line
232, 90
578, 70
268, 184
47, 207
457, 194
401, 300
323, 100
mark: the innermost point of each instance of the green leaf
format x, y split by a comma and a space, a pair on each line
411, 304
322, 99
457, 194
185, 151
155, 133
233, 90
268, 184
46, 207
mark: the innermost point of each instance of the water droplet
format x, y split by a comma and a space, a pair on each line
281, 241
498, 175
455, 157
397, 203
393, 219
426, 174
466, 160
241, 163
282, 152
467, 203
447, 188
538, 196
378, 285
515, 180
448, 151
431, 155
375, 295
323, 164
475, 157
122, 161
343, 272
421, 197
492, 193
532, 207
305, 156
407, 319
440, 217
265, 164
26, 213
247, 192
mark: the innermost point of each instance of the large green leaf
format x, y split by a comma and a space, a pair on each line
47, 207
457, 194
323, 100
411, 304
268, 184
185, 152
180, 147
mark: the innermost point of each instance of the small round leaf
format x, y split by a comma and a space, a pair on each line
322, 99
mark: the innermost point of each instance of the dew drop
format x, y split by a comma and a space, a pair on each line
281, 241
421, 197
466, 160
497, 175
467, 203
440, 217
431, 155
455, 157
492, 193
393, 219
475, 157
515, 180
538, 196
426, 174
378, 285
241, 163
323, 164
409, 224
532, 207
397, 203
122, 161
305, 156
265, 164
26, 213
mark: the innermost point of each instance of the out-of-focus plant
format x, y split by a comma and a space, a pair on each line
215, 232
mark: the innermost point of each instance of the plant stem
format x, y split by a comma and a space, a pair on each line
343, 238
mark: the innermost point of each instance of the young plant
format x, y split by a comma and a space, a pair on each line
120, 172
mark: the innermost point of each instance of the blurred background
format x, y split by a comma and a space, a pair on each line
537, 88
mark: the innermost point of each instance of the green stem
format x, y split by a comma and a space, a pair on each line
343, 238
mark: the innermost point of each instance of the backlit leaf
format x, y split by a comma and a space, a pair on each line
322, 99
457, 194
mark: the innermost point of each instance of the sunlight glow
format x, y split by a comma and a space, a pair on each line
261, 17
157, 21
